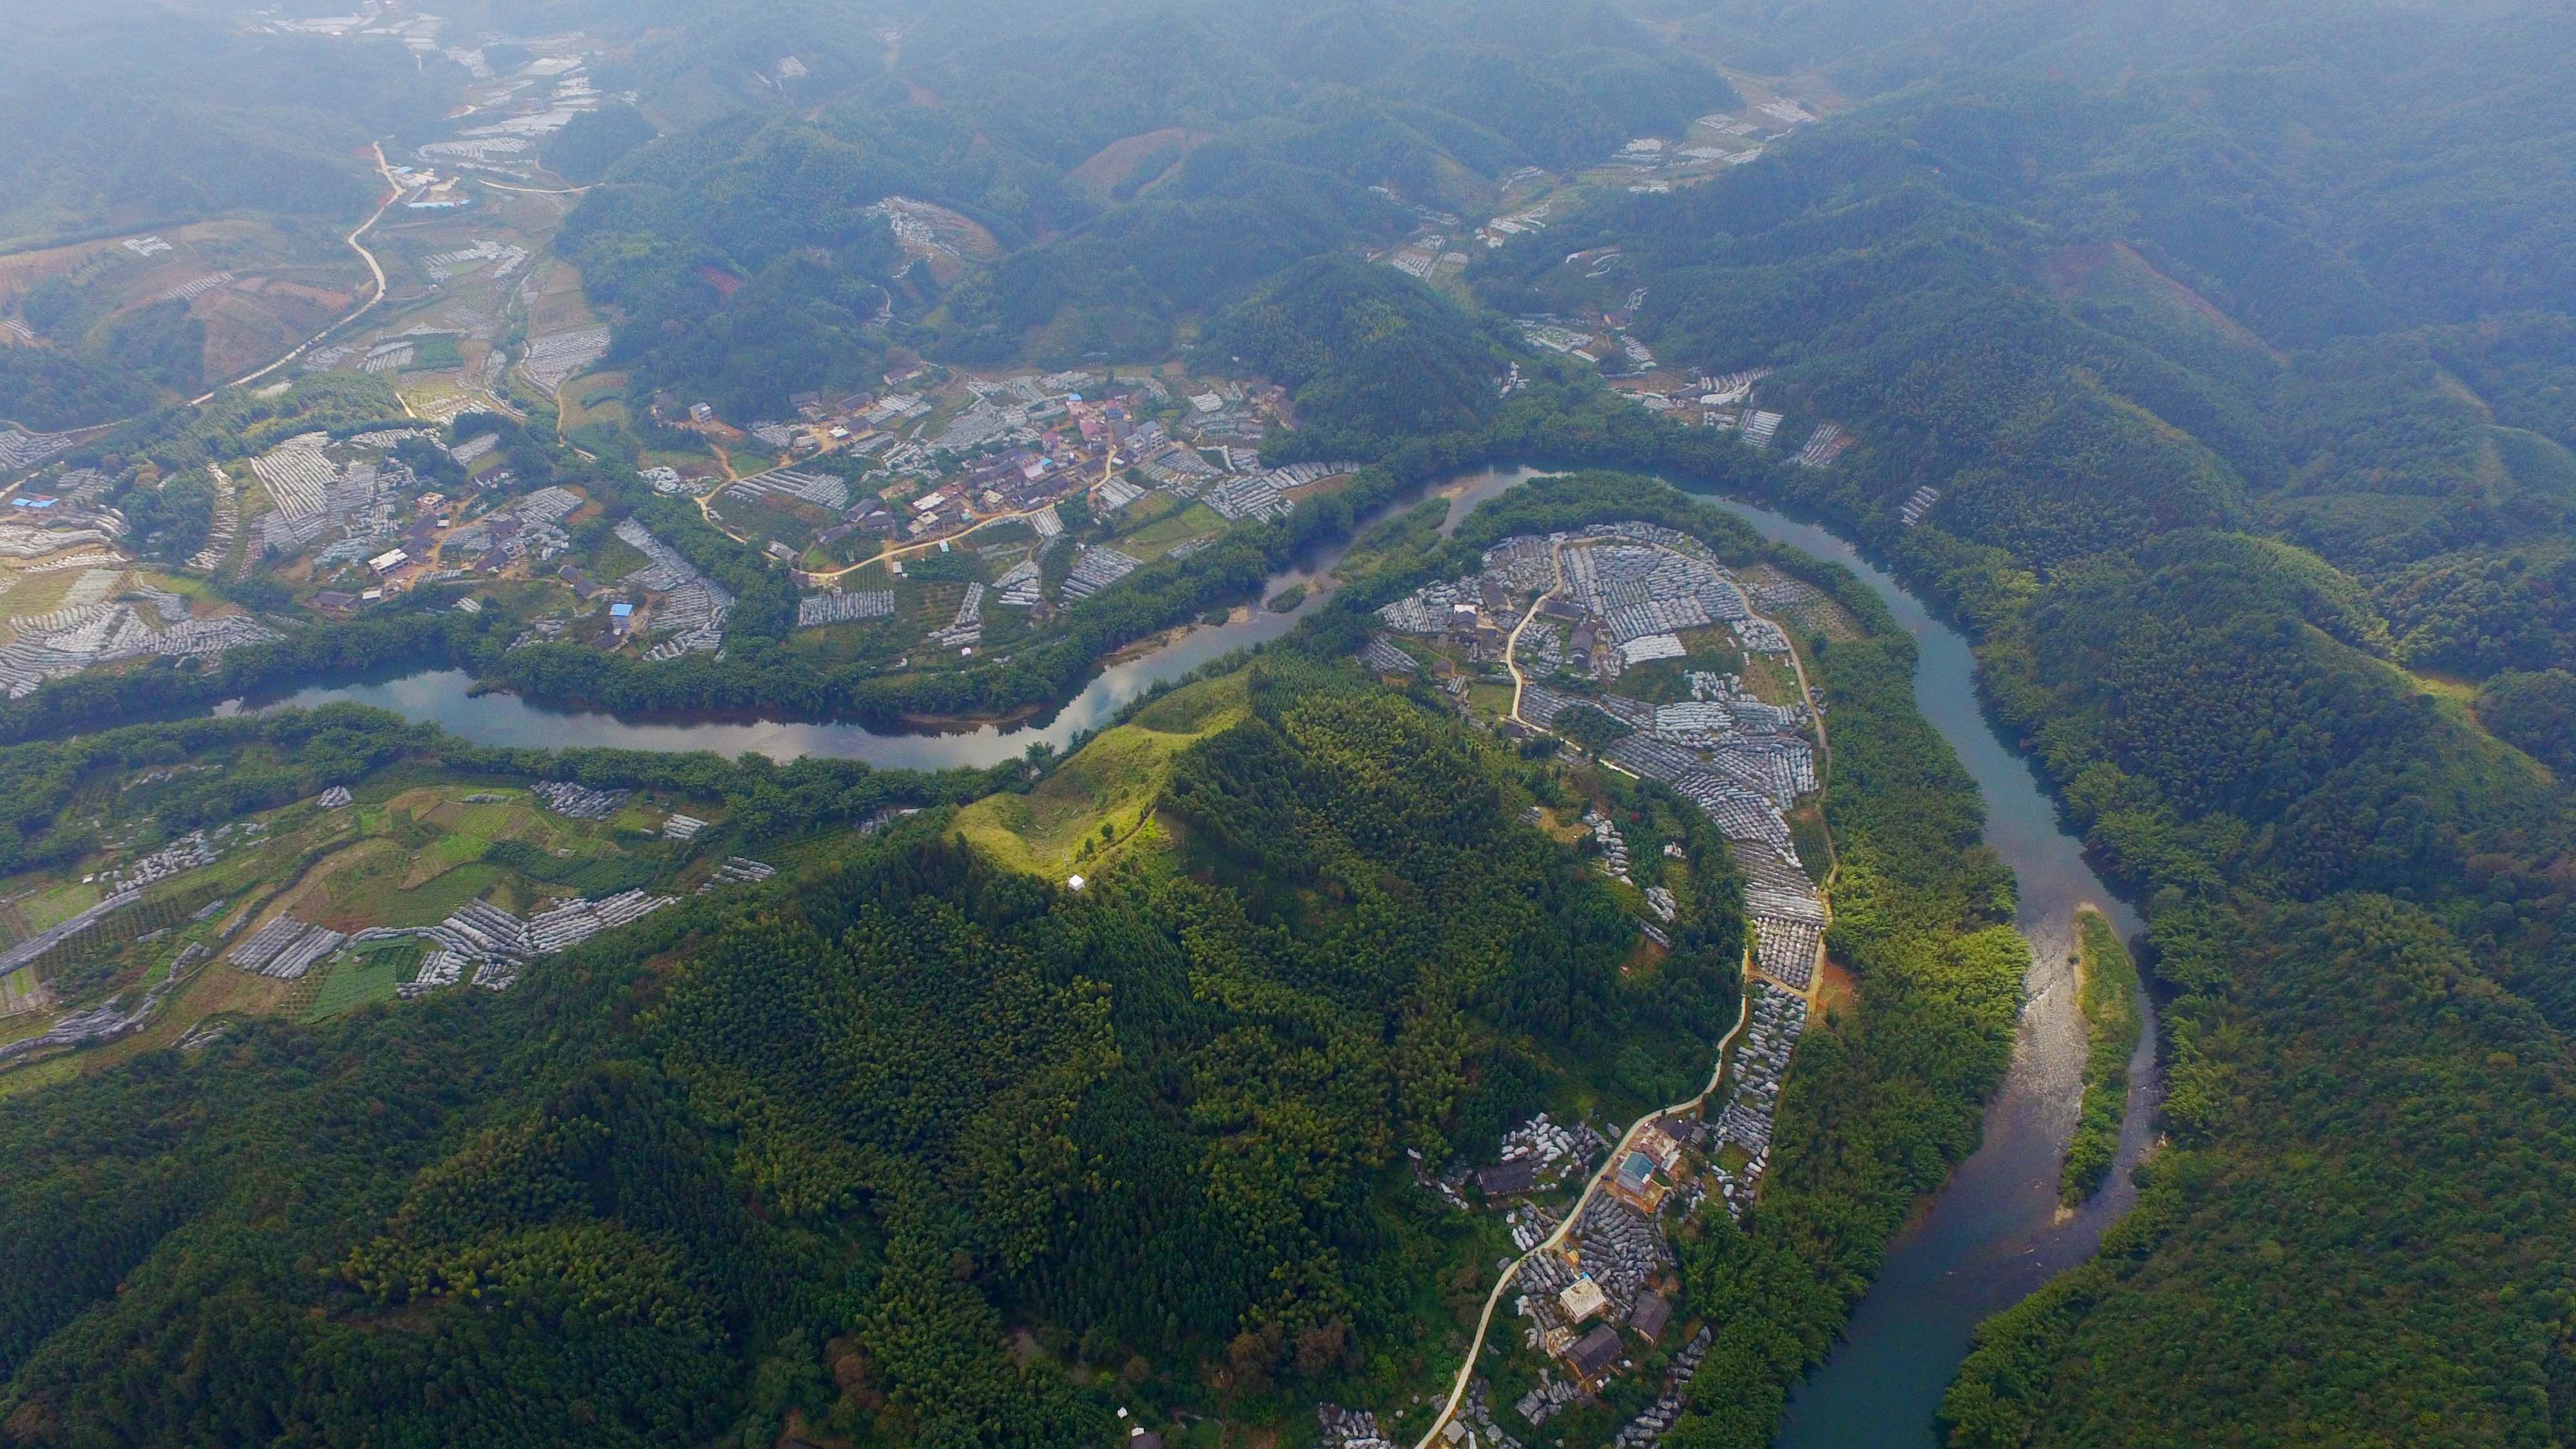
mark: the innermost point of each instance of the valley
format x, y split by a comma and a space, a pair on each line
859, 724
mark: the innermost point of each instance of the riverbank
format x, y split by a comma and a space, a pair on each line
1993, 1233
2110, 997
1987, 1237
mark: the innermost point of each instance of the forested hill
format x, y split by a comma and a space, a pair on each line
1371, 355
2357, 340
128, 113
2220, 353
809, 1149
1111, 171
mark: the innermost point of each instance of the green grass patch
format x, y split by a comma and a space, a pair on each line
762, 520
433, 351
58, 904
39, 1074
1112, 782
1155, 504
438, 899
451, 851
638, 816
1397, 542
362, 979
2111, 1018
617, 558
1196, 521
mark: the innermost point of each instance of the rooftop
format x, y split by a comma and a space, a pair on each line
1595, 1352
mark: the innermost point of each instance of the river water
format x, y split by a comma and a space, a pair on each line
445, 697
1992, 1234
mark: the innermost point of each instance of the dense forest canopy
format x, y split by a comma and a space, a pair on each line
2214, 365
1132, 168
122, 112
2224, 346
881, 1110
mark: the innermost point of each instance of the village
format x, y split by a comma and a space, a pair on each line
385, 894
937, 517
1633, 641
953, 511
1526, 201
946, 514
73, 599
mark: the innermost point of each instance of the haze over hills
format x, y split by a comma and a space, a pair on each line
637, 814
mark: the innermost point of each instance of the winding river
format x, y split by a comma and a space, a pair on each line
1992, 1234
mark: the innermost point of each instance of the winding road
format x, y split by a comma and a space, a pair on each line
375, 269
1591, 1189
1717, 1075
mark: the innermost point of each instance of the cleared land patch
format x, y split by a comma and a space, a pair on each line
1112, 782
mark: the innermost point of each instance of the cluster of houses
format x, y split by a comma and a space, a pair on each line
1607, 1280
317, 488
1096, 569
539, 631
1019, 586
1603, 1287
966, 630
1586, 1301
1340, 1428
504, 257
816, 611
22, 449
1624, 591
1614, 847
479, 940
740, 870
1427, 255
1826, 444
579, 802
1018, 448
1654, 165
313, 494
78, 924
555, 358
1651, 1421
511, 117
1604, 1291
1629, 590
285, 948
1537, 1155
498, 944
189, 852
119, 1015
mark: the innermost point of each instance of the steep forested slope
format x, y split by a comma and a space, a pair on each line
2217, 456
1133, 166
854, 1127
126, 113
